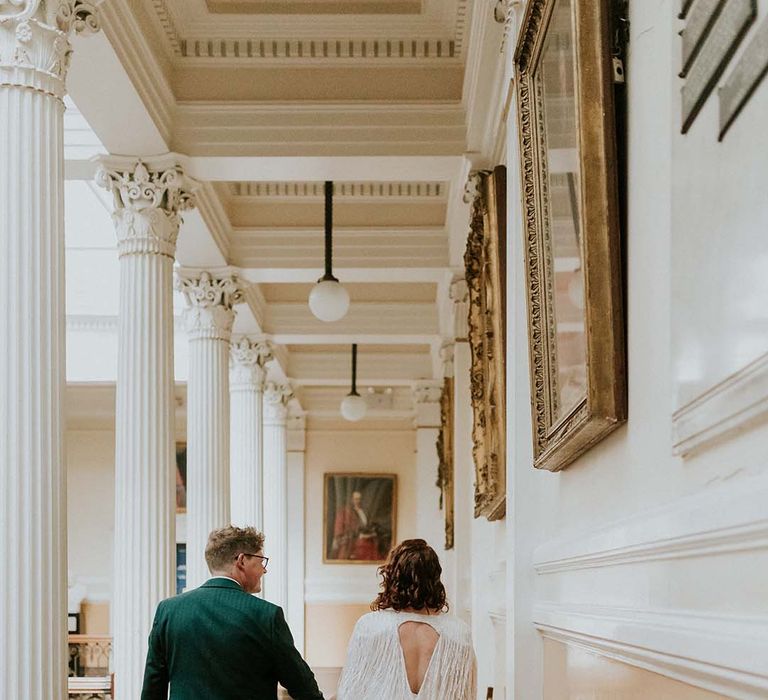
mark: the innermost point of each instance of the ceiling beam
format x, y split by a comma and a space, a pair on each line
277, 275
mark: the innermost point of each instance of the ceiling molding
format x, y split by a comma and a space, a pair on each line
214, 215
311, 128
347, 274
184, 20
341, 190
311, 51
137, 56
363, 318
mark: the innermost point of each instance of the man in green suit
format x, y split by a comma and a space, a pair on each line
218, 642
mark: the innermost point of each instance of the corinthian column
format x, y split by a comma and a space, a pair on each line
246, 388
209, 319
34, 56
276, 397
147, 200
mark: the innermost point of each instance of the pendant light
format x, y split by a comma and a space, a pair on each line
328, 300
353, 407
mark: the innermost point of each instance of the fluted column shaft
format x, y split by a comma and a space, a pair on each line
209, 318
246, 389
147, 199
276, 397
34, 51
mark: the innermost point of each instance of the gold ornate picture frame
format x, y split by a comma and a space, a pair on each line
485, 263
445, 470
569, 176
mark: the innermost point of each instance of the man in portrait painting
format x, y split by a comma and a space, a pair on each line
354, 536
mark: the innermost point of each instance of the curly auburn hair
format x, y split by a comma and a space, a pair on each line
411, 579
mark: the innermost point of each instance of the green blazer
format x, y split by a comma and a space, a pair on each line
217, 642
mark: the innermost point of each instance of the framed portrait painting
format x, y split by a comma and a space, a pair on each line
572, 233
359, 516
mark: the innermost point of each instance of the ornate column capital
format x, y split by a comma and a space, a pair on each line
34, 41
276, 398
148, 199
211, 299
247, 360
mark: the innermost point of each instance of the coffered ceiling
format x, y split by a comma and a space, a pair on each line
266, 99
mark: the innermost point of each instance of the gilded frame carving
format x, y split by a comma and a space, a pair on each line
559, 439
485, 263
445, 469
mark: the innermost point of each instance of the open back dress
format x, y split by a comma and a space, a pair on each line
375, 667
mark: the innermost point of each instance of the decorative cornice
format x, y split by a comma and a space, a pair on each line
211, 299
244, 49
341, 190
148, 199
34, 42
248, 358
189, 44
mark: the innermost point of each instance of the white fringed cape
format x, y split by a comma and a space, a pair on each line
375, 668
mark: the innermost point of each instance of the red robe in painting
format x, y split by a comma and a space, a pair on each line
351, 540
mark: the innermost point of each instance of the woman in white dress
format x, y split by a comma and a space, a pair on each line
409, 647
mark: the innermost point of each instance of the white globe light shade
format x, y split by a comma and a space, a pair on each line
328, 300
353, 407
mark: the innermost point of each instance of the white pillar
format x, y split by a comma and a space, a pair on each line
296, 447
34, 56
209, 320
276, 397
246, 389
429, 517
147, 199
464, 469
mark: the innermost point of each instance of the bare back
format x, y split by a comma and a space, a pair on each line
418, 641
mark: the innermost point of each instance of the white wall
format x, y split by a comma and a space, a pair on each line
338, 592
633, 553
91, 510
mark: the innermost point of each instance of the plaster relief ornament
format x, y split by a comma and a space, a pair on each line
147, 205
34, 34
211, 303
276, 398
248, 358
503, 14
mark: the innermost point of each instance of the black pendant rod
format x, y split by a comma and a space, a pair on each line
329, 231
354, 371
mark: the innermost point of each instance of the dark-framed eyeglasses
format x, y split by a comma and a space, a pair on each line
264, 560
